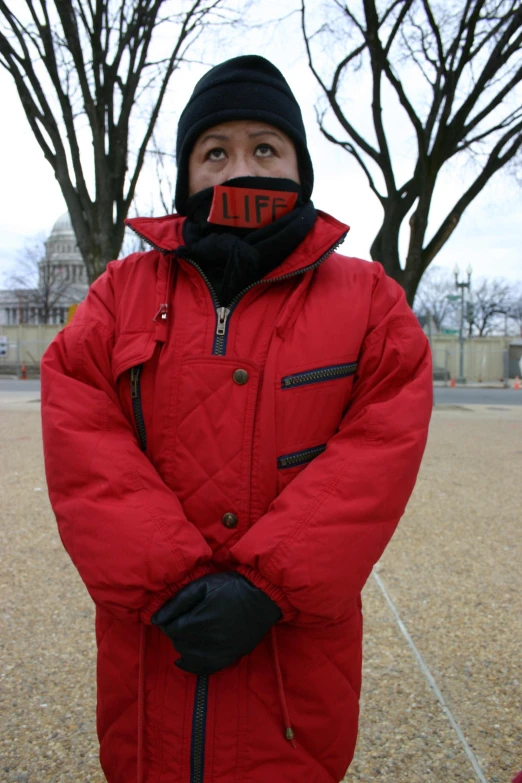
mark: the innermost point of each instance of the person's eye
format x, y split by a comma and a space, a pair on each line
264, 151
216, 153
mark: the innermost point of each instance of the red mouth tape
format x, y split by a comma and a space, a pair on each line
249, 207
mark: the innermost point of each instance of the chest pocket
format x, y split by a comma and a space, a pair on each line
310, 404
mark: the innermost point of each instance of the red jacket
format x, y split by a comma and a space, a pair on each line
282, 440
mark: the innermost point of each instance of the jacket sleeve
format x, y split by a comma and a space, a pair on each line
316, 545
123, 528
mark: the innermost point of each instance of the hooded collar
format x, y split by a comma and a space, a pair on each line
165, 234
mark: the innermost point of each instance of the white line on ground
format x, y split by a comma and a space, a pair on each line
431, 682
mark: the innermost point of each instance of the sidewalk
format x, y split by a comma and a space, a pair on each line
450, 580
476, 385
23, 401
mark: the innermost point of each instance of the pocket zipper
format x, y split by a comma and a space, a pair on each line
135, 386
300, 457
318, 375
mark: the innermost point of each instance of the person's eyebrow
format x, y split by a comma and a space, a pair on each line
255, 134
218, 136
224, 137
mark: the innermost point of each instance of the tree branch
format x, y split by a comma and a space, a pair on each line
497, 59
348, 147
188, 27
497, 159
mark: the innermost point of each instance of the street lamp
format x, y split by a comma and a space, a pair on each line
462, 285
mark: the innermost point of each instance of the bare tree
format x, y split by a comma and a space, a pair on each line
39, 285
489, 307
99, 72
468, 56
436, 295
515, 312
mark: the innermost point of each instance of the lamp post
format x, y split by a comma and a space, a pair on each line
461, 286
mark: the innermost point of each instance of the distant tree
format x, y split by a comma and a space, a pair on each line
490, 304
39, 285
468, 56
432, 296
98, 72
515, 312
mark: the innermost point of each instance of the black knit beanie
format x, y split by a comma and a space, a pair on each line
244, 88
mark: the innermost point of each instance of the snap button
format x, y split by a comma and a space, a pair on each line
240, 377
229, 520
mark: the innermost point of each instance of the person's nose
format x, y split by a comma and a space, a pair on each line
241, 166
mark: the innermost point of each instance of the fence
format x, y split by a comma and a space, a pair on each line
24, 345
485, 358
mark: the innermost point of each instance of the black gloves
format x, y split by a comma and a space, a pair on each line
215, 620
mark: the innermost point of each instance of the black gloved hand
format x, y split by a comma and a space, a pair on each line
215, 620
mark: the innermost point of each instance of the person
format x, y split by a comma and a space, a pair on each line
233, 423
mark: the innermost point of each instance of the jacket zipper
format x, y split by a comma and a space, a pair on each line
300, 457
201, 696
135, 384
318, 375
223, 313
197, 754
219, 349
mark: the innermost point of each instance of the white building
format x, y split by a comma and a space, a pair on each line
63, 282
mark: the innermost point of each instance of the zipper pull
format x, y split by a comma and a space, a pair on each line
222, 314
162, 313
134, 378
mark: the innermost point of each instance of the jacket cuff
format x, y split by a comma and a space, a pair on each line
162, 597
272, 591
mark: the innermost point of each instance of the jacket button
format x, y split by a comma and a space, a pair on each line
229, 520
240, 377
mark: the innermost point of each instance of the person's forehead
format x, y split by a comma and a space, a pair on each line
235, 128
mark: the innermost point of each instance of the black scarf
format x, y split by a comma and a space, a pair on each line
234, 258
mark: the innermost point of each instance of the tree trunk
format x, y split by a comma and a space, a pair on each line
99, 237
98, 249
385, 246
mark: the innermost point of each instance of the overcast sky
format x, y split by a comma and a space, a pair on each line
488, 237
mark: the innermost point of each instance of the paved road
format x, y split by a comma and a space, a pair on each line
15, 386
474, 396
443, 396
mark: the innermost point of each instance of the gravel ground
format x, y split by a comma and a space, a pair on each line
452, 572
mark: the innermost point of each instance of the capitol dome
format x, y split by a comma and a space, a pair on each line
62, 281
61, 246
62, 227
